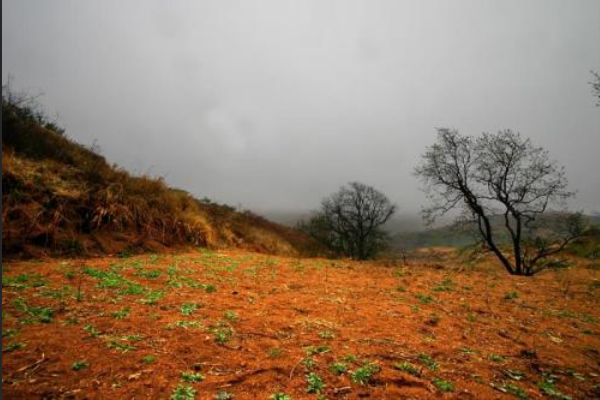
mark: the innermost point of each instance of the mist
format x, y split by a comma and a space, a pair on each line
272, 105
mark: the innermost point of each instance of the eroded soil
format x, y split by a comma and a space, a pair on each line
253, 325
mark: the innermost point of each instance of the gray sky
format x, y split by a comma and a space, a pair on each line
275, 104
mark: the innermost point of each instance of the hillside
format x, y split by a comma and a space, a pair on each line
61, 198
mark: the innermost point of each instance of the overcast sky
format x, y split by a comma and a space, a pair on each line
273, 105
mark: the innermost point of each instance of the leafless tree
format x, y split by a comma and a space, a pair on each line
350, 220
596, 86
505, 186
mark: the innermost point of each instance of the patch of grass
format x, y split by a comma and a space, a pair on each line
223, 396
547, 387
315, 383
92, 331
400, 288
514, 390
350, 358
445, 286
13, 346
408, 368
364, 374
36, 314
192, 377
496, 358
148, 273
309, 362
443, 386
152, 297
122, 313
428, 361
231, 315
79, 365
511, 296
188, 308
148, 359
23, 281
185, 324
280, 396
9, 333
311, 351
339, 368
326, 335
183, 393
222, 335
472, 317
122, 347
425, 299
274, 352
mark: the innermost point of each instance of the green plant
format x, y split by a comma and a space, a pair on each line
13, 346
183, 393
424, 298
496, 358
274, 352
91, 330
36, 314
408, 368
445, 286
122, 347
326, 335
471, 317
122, 313
149, 359
280, 396
339, 368
315, 383
152, 297
309, 362
511, 296
311, 351
78, 365
364, 374
547, 387
222, 335
231, 315
351, 358
443, 386
188, 308
428, 361
191, 377
185, 324
223, 396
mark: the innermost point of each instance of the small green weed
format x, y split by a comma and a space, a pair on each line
188, 308
339, 368
315, 383
511, 296
191, 377
364, 374
280, 396
122, 313
428, 361
79, 365
149, 359
231, 315
311, 351
408, 368
183, 393
443, 386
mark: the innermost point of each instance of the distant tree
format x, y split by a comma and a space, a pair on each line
505, 186
350, 221
596, 86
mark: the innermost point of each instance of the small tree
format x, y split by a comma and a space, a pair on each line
504, 185
350, 221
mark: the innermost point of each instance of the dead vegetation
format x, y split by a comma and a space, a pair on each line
61, 198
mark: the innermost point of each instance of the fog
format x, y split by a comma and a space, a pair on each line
272, 105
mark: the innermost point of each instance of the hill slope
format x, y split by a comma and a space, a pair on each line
59, 197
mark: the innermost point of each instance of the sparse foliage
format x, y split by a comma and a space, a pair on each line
505, 187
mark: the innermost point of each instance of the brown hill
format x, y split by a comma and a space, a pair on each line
61, 198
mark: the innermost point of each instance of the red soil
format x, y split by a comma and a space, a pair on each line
484, 342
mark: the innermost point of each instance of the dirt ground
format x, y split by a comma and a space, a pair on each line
232, 324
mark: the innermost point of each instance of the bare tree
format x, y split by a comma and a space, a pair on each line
504, 186
350, 221
596, 86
